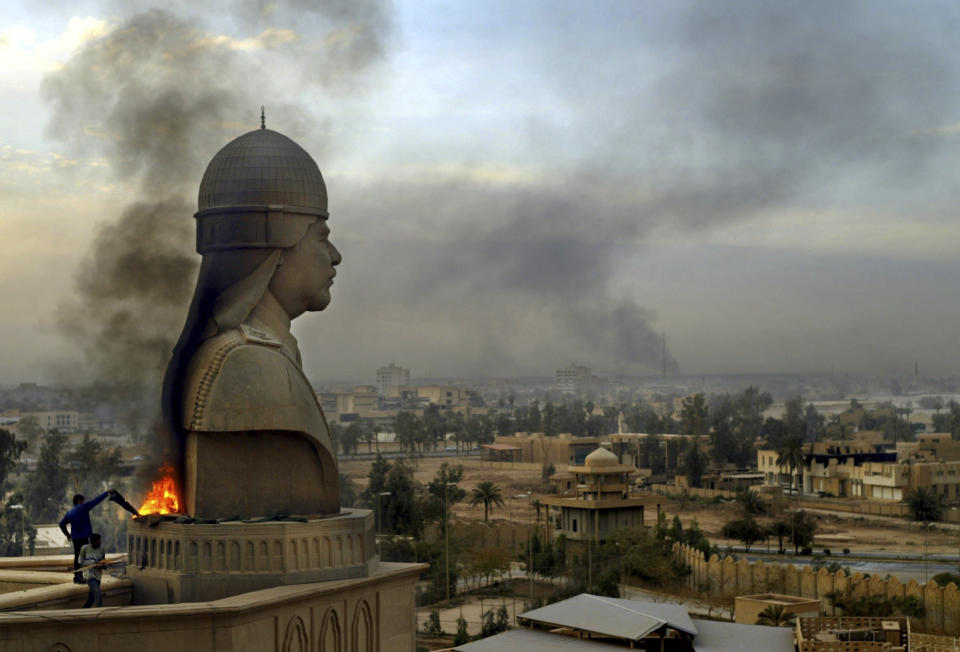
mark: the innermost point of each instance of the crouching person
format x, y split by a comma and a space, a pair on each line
91, 561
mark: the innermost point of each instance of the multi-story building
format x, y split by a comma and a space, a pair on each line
392, 376
572, 378
871, 469
828, 468
63, 421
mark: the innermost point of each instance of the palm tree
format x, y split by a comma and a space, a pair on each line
790, 455
486, 493
537, 505
775, 616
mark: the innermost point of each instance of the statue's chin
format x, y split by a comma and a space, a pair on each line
320, 303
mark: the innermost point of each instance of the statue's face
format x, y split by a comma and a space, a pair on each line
302, 281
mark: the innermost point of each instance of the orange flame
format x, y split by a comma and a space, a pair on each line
162, 497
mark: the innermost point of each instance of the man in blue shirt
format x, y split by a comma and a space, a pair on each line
80, 529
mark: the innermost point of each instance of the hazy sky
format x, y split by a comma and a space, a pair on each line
513, 185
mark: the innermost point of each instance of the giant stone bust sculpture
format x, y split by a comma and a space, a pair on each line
251, 437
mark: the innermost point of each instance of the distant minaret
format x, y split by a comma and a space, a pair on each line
916, 371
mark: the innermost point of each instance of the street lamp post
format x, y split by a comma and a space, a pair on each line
446, 534
23, 540
380, 520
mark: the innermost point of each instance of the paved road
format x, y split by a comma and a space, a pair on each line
902, 570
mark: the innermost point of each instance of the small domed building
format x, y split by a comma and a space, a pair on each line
602, 503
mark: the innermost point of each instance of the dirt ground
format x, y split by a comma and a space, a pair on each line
836, 530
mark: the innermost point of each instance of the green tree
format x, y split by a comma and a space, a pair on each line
790, 455
29, 429
479, 429
486, 493
433, 427
432, 626
494, 622
533, 422
652, 455
401, 512
407, 428
803, 527
376, 485
794, 418
336, 435
925, 504
694, 415
752, 502
93, 468
11, 449
695, 464
47, 485
549, 420
461, 637
351, 437
368, 435
745, 530
444, 492
17, 533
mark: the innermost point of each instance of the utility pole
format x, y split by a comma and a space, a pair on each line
446, 533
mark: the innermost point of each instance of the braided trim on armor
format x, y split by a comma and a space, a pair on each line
206, 383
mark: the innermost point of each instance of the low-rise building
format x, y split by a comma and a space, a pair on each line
537, 448
602, 502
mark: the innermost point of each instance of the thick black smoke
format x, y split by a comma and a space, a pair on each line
157, 96
754, 106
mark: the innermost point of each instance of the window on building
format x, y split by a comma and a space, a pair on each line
574, 525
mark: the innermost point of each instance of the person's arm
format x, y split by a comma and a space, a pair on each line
90, 504
63, 526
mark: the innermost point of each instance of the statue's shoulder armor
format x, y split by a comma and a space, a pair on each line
241, 380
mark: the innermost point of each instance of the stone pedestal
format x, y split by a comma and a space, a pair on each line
179, 562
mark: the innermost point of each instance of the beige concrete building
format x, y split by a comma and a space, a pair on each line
602, 502
896, 481
872, 469
392, 375
572, 378
747, 608
537, 448
66, 421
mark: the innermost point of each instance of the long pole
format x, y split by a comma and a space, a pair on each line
446, 537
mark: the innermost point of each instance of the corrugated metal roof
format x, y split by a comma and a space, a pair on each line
733, 637
627, 619
532, 640
675, 615
713, 637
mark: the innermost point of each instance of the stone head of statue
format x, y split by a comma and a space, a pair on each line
262, 229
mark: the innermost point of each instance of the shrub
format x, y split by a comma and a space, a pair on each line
432, 626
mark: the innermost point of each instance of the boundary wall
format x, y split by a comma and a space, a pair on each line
726, 578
